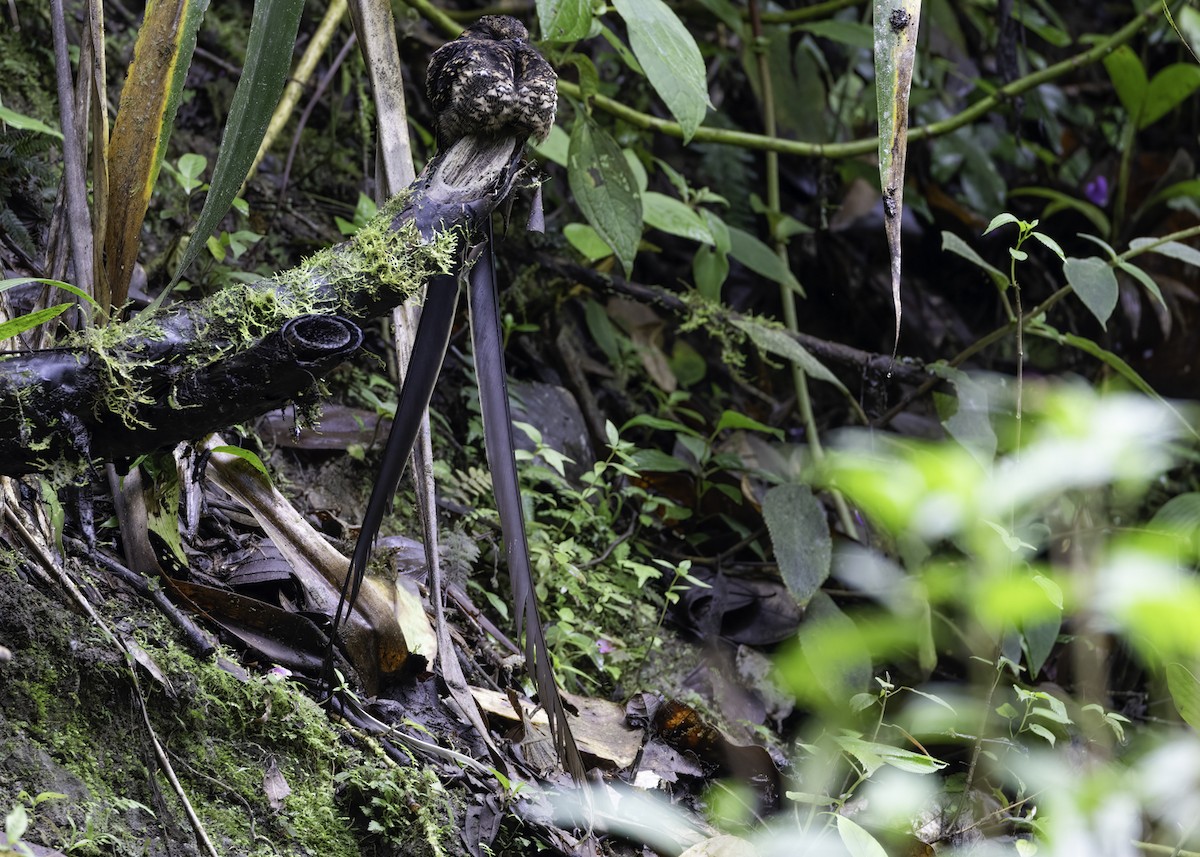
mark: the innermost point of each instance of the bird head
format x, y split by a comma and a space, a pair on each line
497, 28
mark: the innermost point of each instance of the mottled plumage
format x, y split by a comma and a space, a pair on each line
491, 81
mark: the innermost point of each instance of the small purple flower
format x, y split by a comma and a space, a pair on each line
605, 647
278, 673
1097, 190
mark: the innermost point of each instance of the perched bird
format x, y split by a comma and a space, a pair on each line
490, 81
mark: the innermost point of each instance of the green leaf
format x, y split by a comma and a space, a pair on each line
674, 217
1172, 249
556, 146
605, 189
956, 245
657, 461
871, 755
761, 259
273, 28
1129, 79
246, 456
710, 268
58, 284
1185, 693
1000, 220
11, 328
651, 421
669, 55
800, 536
849, 33
1180, 517
858, 842
1145, 279
1049, 242
734, 420
1169, 88
21, 122
564, 20
587, 241
1039, 729
142, 128
1059, 201
776, 341
1095, 283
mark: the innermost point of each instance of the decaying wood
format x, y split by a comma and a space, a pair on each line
197, 367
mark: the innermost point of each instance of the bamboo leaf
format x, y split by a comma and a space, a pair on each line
9, 329
896, 27
268, 61
145, 117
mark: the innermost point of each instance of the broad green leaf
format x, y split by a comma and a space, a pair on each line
800, 536
858, 842
587, 241
149, 100
564, 20
956, 245
669, 55
896, 25
674, 217
21, 122
1169, 88
1039, 639
1129, 79
20, 324
1001, 220
761, 259
777, 341
246, 456
1046, 241
651, 421
605, 189
657, 461
1185, 693
603, 331
556, 146
734, 420
710, 267
1180, 517
1095, 283
273, 29
1040, 730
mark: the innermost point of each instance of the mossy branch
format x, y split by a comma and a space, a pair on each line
193, 368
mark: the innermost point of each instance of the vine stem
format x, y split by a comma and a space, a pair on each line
853, 148
786, 296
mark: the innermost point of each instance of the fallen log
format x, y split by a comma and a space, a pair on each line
199, 366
